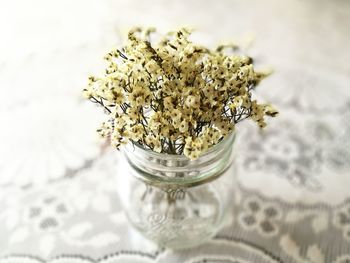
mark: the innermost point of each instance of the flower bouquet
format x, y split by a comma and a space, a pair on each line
174, 105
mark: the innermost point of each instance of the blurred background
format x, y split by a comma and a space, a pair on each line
48, 49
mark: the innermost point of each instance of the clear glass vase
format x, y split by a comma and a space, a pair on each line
176, 202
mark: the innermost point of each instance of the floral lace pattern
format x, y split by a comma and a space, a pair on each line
47, 214
260, 216
296, 159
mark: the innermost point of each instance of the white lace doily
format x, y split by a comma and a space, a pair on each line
58, 200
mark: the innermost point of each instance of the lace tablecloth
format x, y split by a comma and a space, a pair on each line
58, 200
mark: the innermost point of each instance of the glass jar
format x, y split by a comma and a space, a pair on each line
176, 202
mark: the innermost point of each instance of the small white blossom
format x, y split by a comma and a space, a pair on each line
175, 96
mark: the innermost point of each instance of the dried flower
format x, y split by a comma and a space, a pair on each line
174, 96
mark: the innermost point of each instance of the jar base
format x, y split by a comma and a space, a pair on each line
178, 243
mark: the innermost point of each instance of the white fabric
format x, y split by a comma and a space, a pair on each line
58, 195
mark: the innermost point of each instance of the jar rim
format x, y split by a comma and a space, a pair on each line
229, 138
165, 181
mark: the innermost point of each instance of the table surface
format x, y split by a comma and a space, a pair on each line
58, 200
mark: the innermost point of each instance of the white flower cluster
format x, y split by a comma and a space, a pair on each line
174, 96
